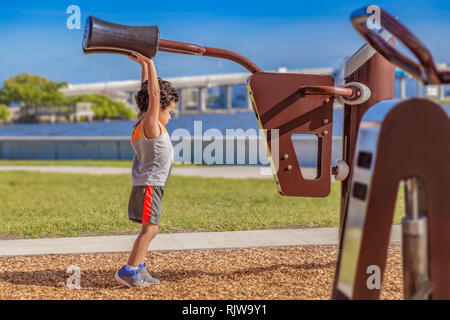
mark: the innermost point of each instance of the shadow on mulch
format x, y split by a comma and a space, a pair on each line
104, 279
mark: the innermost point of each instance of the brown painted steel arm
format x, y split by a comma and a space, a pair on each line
192, 49
425, 70
187, 48
327, 90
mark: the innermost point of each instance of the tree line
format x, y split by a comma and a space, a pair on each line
27, 90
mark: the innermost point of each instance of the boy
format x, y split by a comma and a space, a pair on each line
152, 164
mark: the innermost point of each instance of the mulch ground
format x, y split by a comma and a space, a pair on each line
305, 272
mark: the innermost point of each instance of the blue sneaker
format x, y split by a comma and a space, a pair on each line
130, 278
142, 269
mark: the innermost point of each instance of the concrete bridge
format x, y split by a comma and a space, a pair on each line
432, 91
193, 90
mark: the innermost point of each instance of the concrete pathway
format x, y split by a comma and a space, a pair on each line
216, 171
179, 241
67, 169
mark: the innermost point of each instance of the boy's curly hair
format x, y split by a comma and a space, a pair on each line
167, 94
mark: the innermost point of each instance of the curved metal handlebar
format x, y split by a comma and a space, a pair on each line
327, 90
187, 48
191, 49
425, 70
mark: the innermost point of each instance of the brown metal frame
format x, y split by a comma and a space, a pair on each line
281, 103
379, 75
292, 104
411, 127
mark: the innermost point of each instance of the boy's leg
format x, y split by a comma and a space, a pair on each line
137, 276
144, 207
140, 247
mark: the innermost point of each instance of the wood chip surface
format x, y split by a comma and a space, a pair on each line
259, 273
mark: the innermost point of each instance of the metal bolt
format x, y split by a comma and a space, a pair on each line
327, 100
289, 167
334, 171
325, 121
340, 170
284, 157
325, 132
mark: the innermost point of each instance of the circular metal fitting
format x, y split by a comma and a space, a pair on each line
362, 94
340, 170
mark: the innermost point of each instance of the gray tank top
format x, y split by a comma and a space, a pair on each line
153, 158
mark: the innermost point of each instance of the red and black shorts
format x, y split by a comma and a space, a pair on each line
145, 204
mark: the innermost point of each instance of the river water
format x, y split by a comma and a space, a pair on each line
236, 120
222, 122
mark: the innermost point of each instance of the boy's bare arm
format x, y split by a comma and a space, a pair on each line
151, 127
144, 73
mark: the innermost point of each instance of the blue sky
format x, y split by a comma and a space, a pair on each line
294, 34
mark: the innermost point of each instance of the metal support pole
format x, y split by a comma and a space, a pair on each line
203, 98
402, 88
441, 92
416, 280
419, 88
183, 98
229, 97
249, 102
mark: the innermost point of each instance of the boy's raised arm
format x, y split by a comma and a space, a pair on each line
151, 126
144, 72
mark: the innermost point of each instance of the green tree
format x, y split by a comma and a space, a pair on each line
104, 107
5, 113
30, 90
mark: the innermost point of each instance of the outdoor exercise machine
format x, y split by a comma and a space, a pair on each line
399, 140
384, 141
284, 103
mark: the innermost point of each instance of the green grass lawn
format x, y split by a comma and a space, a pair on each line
34, 205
